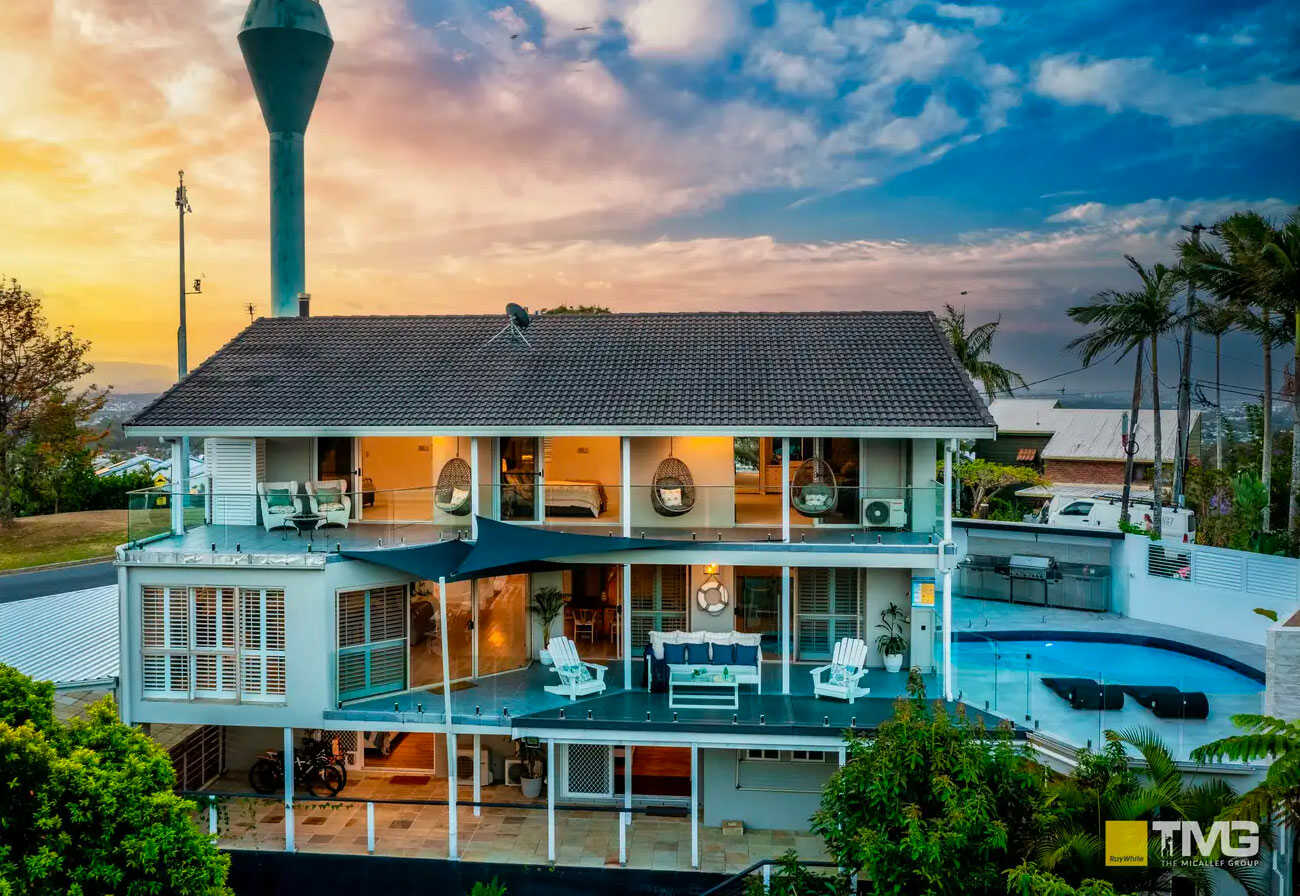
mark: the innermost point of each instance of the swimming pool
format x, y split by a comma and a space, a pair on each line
1003, 672
1112, 661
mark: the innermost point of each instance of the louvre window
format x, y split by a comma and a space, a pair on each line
210, 642
658, 601
372, 652
828, 609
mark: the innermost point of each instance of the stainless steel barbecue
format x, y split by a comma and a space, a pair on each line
1030, 566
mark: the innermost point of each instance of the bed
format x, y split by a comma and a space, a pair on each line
574, 497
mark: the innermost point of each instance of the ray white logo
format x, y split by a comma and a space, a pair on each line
1189, 840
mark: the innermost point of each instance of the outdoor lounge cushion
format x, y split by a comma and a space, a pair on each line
279, 499
1085, 693
1168, 702
724, 654
670, 497
1148, 694
746, 655
675, 654
697, 654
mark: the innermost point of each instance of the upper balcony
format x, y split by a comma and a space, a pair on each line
319, 494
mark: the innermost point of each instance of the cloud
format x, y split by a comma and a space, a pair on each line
1136, 84
1162, 215
979, 16
681, 29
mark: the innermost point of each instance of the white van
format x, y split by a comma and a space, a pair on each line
1102, 512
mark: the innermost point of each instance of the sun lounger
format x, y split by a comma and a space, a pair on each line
1167, 702
1085, 693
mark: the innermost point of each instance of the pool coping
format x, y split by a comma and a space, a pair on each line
1117, 638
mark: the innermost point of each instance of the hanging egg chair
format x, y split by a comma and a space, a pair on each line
812, 488
673, 491
454, 493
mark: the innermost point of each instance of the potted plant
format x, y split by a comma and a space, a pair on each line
547, 605
891, 644
530, 752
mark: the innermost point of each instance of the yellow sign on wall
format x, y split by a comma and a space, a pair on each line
1126, 844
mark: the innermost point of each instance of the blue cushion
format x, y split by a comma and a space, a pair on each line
675, 654
746, 655
278, 497
724, 654
697, 654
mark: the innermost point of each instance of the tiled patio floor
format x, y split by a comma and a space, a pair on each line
583, 837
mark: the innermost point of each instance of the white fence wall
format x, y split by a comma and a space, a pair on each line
1213, 590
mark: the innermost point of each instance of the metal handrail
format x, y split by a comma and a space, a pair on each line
210, 795
720, 888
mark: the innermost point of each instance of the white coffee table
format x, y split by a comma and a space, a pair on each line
690, 687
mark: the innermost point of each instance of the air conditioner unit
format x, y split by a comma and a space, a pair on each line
884, 513
465, 767
514, 772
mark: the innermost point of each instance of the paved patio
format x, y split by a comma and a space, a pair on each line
516, 835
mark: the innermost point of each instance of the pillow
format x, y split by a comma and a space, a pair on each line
330, 495
675, 654
278, 497
724, 654
697, 654
746, 655
458, 496
670, 497
753, 639
816, 500
578, 671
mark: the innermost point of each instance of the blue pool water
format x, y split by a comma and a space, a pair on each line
1113, 663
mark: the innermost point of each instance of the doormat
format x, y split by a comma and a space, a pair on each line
410, 780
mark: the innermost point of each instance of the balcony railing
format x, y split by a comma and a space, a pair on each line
247, 521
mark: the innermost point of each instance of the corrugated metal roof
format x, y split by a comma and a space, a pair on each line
64, 638
1085, 433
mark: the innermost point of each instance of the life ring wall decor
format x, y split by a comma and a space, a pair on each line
712, 596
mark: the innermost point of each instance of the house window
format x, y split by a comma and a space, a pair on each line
808, 755
827, 610
215, 643
763, 755
372, 641
1026, 454
658, 601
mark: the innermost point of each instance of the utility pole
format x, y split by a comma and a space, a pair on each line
182, 365
1181, 460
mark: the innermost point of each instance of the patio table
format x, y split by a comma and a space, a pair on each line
690, 687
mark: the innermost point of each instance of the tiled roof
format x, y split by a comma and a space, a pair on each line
859, 369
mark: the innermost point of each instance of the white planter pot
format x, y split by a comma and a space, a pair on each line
893, 662
531, 787
545, 656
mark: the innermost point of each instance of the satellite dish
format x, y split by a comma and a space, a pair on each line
518, 315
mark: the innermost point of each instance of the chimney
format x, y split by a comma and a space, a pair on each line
304, 304
286, 46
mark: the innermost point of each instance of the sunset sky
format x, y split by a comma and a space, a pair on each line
641, 154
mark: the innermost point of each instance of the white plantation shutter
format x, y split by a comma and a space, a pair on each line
261, 644
828, 604
658, 601
212, 642
233, 465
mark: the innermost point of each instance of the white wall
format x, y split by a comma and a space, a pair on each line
289, 459
1222, 610
701, 621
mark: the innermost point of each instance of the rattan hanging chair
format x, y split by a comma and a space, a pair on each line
812, 488
453, 494
673, 492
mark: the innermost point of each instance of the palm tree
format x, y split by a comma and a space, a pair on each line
1233, 273
1265, 737
1105, 787
973, 349
1215, 319
1124, 321
1280, 276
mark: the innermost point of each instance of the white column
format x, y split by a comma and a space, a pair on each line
176, 482
550, 800
695, 806
626, 508
370, 828
949, 690
446, 711
288, 790
625, 817
785, 630
843, 755
625, 625
474, 497
478, 776
452, 784
785, 489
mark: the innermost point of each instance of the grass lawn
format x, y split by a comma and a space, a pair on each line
60, 537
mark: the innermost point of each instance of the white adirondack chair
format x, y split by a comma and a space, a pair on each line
842, 676
577, 678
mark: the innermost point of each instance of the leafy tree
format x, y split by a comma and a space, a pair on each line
1215, 319
1123, 321
973, 348
1027, 879
39, 369
87, 807
790, 878
933, 804
1264, 737
986, 479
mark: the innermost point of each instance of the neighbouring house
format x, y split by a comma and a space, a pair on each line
1080, 450
387, 494
158, 468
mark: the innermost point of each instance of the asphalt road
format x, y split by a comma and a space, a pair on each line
22, 585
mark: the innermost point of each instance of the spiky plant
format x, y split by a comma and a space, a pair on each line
973, 348
1263, 737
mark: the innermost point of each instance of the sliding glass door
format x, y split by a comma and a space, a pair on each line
519, 469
